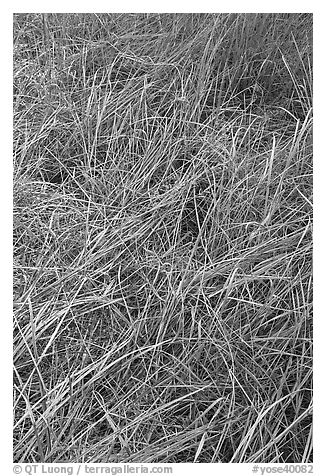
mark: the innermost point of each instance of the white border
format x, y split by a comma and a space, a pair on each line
319, 196
167, 6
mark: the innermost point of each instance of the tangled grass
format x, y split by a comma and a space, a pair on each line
162, 236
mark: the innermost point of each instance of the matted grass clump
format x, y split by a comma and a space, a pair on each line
162, 234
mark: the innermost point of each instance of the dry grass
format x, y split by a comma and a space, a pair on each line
162, 231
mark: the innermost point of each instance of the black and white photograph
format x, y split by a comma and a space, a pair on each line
162, 239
